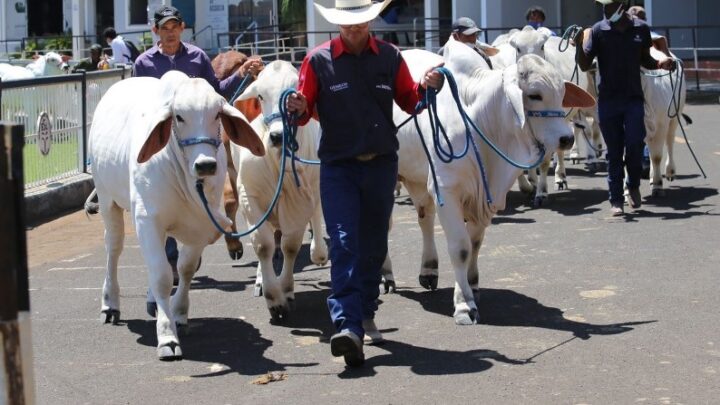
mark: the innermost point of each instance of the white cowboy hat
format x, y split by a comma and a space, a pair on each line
350, 12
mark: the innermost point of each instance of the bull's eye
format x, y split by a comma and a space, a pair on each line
535, 97
518, 50
542, 48
260, 97
179, 118
217, 117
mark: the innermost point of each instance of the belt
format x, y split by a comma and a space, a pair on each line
366, 157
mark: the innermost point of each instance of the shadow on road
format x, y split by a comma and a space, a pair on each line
233, 343
508, 308
427, 361
206, 282
683, 199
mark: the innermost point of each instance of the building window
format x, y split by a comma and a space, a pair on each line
137, 11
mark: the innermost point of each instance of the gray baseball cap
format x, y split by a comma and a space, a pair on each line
465, 26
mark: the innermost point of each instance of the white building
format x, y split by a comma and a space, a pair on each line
213, 19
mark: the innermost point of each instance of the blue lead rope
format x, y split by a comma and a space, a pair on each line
265, 216
447, 155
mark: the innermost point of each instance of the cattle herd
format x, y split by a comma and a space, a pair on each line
152, 140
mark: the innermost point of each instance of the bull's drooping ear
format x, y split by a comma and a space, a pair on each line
240, 131
250, 107
514, 94
160, 131
577, 97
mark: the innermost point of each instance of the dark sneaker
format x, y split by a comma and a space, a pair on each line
616, 210
348, 345
633, 197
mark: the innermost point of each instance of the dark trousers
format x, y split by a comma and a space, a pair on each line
357, 201
623, 128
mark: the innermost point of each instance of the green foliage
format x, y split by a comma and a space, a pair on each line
59, 43
292, 14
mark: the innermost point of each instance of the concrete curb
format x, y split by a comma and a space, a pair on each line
53, 200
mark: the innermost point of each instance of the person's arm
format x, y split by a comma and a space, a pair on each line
225, 88
584, 50
407, 92
646, 59
143, 66
303, 101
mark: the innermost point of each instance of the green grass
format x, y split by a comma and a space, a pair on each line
63, 158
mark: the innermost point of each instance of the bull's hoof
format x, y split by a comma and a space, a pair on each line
278, 313
182, 329
561, 185
388, 286
237, 253
257, 291
538, 201
465, 319
169, 352
110, 316
658, 192
151, 308
429, 282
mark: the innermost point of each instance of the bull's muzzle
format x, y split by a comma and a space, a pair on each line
566, 142
205, 167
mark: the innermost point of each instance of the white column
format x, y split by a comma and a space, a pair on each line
432, 10
78, 27
3, 21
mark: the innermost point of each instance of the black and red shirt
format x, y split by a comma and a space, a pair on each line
353, 96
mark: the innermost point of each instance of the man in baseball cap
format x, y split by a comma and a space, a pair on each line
465, 26
622, 45
466, 31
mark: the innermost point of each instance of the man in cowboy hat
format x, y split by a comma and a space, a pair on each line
351, 82
621, 45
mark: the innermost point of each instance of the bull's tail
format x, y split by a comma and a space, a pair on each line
688, 120
92, 206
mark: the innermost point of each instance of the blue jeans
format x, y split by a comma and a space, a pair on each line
357, 201
623, 128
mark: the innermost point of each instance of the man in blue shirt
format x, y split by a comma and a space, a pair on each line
170, 53
621, 45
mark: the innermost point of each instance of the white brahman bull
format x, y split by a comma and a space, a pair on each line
50, 64
498, 101
413, 166
541, 42
257, 179
152, 141
662, 101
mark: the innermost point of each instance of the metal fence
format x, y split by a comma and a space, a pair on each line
702, 62
56, 113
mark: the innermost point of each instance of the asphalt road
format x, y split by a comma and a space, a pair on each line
576, 307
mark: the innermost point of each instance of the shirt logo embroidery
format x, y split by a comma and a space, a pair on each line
637, 38
339, 87
383, 87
